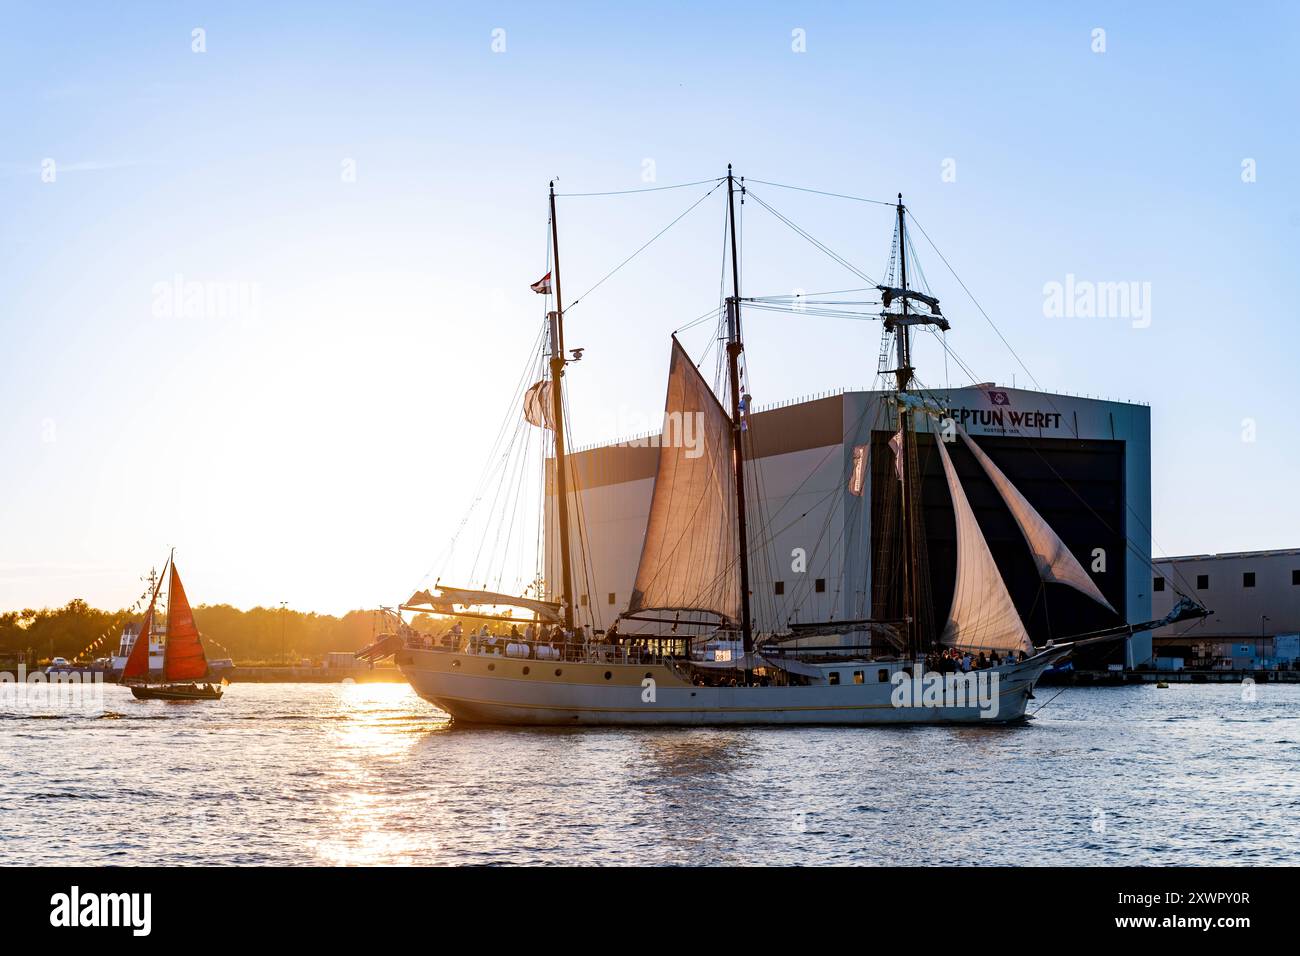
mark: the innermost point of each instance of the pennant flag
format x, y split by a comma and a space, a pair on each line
896, 443
858, 478
542, 285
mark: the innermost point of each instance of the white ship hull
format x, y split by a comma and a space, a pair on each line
498, 690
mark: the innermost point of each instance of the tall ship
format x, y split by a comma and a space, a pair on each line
689, 649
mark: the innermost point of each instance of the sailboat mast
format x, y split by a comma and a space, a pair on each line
911, 616
734, 348
557, 414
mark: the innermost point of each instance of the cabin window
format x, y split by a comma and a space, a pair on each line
608, 674
612, 597
833, 677
1295, 577
1158, 585
1248, 579
1202, 582
819, 585
859, 677
583, 600
882, 675
778, 587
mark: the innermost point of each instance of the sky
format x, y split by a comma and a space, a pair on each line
366, 187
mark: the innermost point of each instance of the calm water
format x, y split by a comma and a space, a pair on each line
290, 774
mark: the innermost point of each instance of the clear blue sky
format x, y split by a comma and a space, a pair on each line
321, 449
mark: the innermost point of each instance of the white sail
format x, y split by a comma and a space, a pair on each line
983, 616
688, 559
1054, 560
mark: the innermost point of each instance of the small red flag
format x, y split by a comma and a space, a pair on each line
542, 285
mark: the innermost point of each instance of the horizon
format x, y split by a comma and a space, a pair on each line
360, 197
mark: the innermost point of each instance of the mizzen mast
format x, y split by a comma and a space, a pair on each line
917, 641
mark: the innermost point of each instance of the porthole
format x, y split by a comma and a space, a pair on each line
558, 672
649, 676
455, 663
525, 671
608, 674
492, 667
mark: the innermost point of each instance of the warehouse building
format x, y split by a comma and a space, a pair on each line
816, 545
1254, 600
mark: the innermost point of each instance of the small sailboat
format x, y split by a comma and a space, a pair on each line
185, 665
709, 662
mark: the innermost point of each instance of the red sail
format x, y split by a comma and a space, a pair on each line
183, 657
137, 663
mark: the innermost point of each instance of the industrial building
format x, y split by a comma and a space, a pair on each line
1254, 600
1084, 464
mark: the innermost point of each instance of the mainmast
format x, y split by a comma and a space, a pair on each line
557, 413
734, 347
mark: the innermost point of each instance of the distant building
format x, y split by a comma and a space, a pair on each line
1254, 597
340, 659
1084, 464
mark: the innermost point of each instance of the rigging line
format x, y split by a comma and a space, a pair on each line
648, 243
799, 230
696, 321
644, 189
971, 295
822, 192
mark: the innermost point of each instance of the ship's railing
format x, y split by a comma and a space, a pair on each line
573, 652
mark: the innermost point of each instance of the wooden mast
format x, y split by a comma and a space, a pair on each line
734, 347
557, 413
911, 622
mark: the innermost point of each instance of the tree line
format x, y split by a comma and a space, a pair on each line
258, 635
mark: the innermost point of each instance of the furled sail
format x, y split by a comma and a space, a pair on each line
689, 556
1054, 560
448, 598
183, 657
538, 408
983, 616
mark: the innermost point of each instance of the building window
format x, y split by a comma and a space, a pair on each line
819, 585
611, 597
1202, 582
778, 587
833, 677
1158, 585
1248, 579
859, 677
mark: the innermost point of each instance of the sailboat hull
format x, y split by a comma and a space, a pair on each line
496, 690
178, 692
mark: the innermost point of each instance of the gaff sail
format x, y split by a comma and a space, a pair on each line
982, 617
688, 559
183, 657
448, 598
1054, 560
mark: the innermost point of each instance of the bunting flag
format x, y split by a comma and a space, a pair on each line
542, 285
